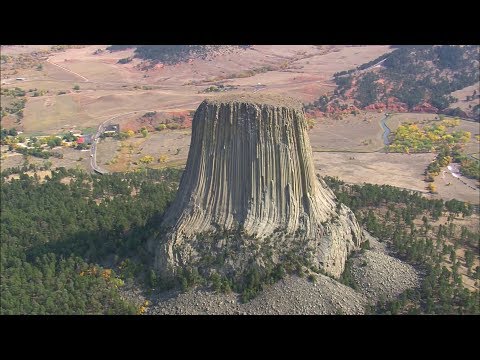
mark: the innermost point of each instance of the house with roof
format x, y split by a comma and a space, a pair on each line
85, 139
112, 129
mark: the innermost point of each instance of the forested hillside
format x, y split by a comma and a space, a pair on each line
70, 242
171, 54
409, 224
411, 77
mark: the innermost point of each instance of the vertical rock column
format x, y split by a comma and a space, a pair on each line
250, 166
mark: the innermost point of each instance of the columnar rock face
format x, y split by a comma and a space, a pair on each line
250, 173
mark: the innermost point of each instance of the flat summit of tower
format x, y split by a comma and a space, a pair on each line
260, 99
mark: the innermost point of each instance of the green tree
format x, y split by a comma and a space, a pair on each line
153, 279
469, 257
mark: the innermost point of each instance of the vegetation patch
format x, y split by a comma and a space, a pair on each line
67, 248
170, 54
412, 138
413, 75
393, 215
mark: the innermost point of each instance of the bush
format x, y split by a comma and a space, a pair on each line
216, 282
147, 159
124, 60
173, 126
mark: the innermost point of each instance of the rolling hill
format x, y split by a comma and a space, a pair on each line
415, 78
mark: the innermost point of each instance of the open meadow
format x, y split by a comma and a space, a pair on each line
78, 88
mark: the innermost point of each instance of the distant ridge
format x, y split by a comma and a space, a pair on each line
173, 54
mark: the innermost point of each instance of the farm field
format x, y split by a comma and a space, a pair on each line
107, 88
82, 87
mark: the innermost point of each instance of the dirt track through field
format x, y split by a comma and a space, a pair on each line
70, 71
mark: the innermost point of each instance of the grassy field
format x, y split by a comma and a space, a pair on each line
71, 159
361, 133
343, 148
168, 148
52, 114
449, 187
461, 95
351, 148
401, 170
112, 88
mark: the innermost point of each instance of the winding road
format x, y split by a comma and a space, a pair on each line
96, 137
386, 130
93, 149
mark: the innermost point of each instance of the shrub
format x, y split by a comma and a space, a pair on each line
432, 188
173, 126
147, 159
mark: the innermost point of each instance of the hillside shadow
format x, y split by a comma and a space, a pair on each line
107, 248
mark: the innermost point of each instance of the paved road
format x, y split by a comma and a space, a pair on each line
93, 149
386, 130
96, 139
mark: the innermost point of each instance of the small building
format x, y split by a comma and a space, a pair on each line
112, 129
85, 139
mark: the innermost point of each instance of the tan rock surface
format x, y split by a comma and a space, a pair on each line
250, 172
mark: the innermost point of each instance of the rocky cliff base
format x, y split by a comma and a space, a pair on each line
377, 275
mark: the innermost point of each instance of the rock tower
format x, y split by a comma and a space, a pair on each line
249, 196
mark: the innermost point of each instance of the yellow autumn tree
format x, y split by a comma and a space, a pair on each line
310, 123
147, 159
467, 135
